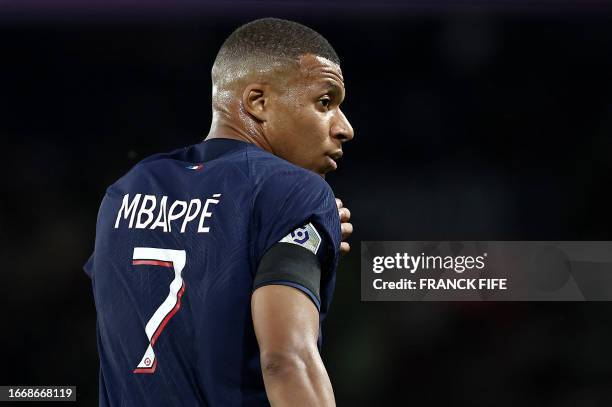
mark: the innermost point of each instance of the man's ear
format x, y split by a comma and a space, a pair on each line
255, 100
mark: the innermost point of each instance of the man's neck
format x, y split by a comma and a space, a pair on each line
225, 129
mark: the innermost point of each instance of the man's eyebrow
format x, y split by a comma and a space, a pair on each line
333, 86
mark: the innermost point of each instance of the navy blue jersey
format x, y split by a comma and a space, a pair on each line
178, 242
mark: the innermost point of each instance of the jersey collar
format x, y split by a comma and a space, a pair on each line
216, 147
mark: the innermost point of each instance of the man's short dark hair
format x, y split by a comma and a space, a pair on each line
269, 41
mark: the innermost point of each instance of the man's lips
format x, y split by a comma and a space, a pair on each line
336, 155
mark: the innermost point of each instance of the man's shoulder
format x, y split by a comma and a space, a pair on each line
253, 165
189, 161
267, 168
142, 171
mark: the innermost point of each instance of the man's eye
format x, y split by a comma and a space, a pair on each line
325, 102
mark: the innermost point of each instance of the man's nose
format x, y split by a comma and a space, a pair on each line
342, 129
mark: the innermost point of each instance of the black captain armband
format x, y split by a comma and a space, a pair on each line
292, 265
293, 262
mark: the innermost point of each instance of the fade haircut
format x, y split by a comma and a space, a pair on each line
265, 44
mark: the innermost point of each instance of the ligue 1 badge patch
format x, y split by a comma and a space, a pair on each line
305, 236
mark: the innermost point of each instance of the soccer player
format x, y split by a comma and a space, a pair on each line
214, 265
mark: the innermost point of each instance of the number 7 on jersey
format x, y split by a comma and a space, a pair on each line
169, 258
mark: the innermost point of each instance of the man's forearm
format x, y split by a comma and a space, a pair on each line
296, 380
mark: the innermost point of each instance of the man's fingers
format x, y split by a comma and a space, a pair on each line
345, 214
347, 229
345, 248
345, 226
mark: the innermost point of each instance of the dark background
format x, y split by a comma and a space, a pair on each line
473, 121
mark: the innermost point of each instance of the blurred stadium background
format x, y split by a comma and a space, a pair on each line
473, 121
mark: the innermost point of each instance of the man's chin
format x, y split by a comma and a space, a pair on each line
322, 167
331, 163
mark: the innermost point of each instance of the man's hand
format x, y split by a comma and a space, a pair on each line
345, 226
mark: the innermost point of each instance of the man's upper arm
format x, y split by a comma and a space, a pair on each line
293, 262
286, 322
296, 233
296, 239
287, 326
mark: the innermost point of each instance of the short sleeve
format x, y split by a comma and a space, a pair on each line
292, 199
